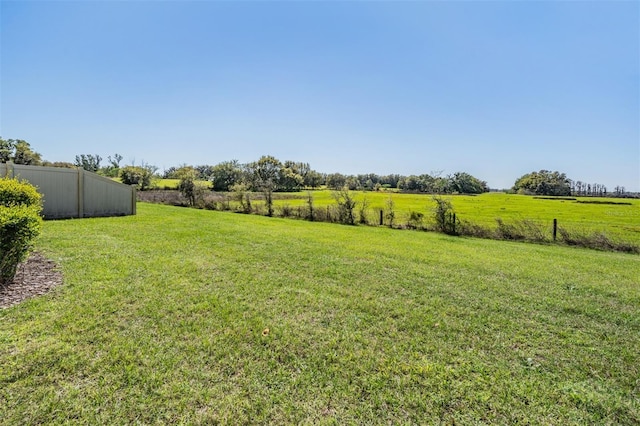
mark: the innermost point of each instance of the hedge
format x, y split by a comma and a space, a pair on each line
14, 192
20, 224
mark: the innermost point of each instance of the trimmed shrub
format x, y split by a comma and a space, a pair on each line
20, 224
14, 192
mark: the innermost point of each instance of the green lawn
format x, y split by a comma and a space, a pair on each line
196, 317
620, 221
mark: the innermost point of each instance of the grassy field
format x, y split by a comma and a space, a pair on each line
168, 183
620, 221
192, 316
173, 183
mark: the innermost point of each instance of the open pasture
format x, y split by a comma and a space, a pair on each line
585, 214
200, 317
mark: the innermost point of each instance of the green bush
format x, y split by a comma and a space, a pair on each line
345, 206
14, 192
20, 224
444, 216
142, 176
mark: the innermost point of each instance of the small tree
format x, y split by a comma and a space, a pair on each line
141, 176
444, 216
188, 186
346, 205
265, 175
310, 205
242, 196
362, 211
390, 212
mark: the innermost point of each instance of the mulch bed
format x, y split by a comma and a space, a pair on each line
35, 277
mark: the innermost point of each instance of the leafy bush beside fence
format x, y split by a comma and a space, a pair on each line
20, 224
14, 192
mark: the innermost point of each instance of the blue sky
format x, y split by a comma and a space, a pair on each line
495, 88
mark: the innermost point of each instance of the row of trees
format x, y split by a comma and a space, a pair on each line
269, 175
545, 182
289, 176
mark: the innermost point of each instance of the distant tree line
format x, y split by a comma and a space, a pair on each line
579, 188
545, 182
291, 176
268, 175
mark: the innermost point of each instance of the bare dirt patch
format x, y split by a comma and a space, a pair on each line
35, 277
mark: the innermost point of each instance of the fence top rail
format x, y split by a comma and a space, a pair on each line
16, 168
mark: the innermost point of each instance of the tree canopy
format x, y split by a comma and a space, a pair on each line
543, 182
18, 151
269, 174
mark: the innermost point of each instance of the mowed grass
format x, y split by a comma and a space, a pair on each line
197, 317
619, 221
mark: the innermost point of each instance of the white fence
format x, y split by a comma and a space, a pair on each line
69, 193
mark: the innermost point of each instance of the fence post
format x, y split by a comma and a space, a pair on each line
555, 229
80, 192
454, 223
134, 200
381, 217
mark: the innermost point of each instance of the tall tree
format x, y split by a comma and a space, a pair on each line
464, 183
89, 162
225, 175
265, 175
113, 168
336, 181
18, 151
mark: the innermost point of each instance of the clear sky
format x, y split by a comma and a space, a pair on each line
493, 88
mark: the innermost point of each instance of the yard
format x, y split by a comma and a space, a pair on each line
198, 317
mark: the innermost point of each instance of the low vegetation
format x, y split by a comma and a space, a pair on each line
599, 223
198, 317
